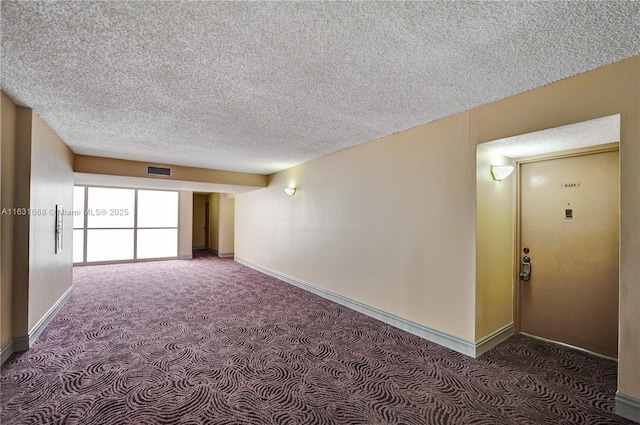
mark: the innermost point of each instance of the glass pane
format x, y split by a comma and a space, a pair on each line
78, 245
110, 208
78, 207
110, 244
157, 208
157, 243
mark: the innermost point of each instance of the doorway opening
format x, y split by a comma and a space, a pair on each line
214, 223
557, 271
201, 235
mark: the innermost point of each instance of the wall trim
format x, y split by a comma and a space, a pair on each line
186, 257
494, 338
628, 407
225, 254
35, 332
196, 247
6, 351
21, 343
14, 345
442, 338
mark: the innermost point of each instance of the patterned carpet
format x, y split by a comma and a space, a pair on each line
210, 341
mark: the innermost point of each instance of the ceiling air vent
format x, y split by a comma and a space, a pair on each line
158, 171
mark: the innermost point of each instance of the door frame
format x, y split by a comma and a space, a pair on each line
609, 147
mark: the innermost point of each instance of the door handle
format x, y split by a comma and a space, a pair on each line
525, 268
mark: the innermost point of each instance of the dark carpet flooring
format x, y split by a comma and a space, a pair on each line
210, 341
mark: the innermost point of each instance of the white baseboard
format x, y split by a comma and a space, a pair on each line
198, 247
6, 351
455, 343
23, 343
14, 345
488, 342
628, 407
225, 254
186, 257
35, 332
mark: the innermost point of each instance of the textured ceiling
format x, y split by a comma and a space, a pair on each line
594, 132
261, 86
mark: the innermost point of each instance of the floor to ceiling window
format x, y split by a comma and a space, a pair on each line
157, 225
115, 224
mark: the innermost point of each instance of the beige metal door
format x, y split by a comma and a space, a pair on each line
569, 225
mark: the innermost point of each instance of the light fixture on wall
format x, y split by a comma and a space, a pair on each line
501, 172
290, 191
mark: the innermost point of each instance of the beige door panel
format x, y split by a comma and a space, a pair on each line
569, 222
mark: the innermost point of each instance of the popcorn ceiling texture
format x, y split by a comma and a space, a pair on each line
261, 86
594, 132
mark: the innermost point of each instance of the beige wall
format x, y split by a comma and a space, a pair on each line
221, 223
21, 227
494, 245
198, 239
226, 225
603, 92
119, 167
185, 225
36, 175
51, 185
214, 217
7, 158
390, 224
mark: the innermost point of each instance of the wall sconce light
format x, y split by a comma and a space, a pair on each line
501, 172
290, 191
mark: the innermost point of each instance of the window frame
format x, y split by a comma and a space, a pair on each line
85, 229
